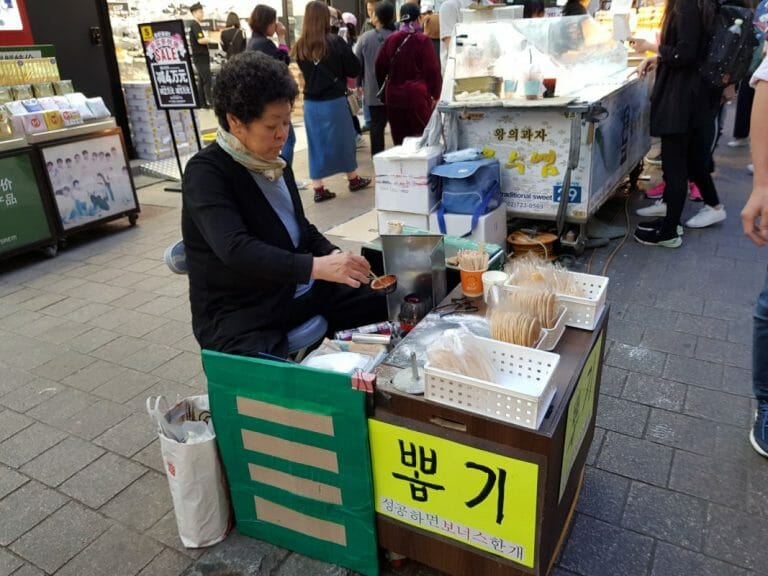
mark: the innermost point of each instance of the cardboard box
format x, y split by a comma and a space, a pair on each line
491, 228
420, 221
403, 180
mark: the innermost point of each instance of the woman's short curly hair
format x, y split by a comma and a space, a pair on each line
248, 82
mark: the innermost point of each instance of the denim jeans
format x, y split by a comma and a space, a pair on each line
760, 346
290, 144
367, 114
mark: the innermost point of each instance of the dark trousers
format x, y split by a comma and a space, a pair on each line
743, 109
202, 64
687, 157
378, 124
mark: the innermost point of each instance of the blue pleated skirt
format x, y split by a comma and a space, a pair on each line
330, 137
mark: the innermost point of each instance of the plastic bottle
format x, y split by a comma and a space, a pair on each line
736, 27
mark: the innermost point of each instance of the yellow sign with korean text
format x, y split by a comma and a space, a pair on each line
580, 413
480, 498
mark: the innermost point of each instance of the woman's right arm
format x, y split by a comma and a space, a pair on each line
210, 204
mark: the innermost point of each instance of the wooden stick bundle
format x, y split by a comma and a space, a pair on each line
473, 260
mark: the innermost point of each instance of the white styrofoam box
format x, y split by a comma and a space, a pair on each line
420, 221
403, 181
491, 228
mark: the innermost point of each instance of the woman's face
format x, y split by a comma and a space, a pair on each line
271, 29
264, 136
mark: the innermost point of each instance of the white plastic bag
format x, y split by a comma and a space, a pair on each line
191, 461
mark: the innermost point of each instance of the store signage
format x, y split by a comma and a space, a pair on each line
22, 216
27, 52
482, 499
580, 412
168, 61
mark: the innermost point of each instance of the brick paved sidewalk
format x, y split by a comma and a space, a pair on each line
672, 487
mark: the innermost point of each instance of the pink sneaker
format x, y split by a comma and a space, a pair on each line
657, 191
694, 193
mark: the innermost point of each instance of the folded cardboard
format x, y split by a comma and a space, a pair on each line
420, 221
403, 181
491, 228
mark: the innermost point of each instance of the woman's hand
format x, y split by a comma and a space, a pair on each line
754, 217
647, 66
342, 268
280, 29
641, 45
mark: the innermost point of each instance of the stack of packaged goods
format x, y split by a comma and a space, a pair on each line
150, 131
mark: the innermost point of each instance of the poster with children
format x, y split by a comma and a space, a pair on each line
90, 180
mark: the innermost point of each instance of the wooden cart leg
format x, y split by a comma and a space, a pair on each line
567, 525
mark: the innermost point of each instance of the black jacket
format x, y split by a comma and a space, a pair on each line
327, 80
260, 43
232, 41
681, 97
243, 267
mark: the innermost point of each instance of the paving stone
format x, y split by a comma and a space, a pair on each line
729, 353
594, 449
727, 310
57, 410
649, 316
129, 436
63, 365
62, 461
91, 340
31, 394
66, 306
28, 570
41, 325
718, 407
603, 495
117, 552
180, 313
150, 284
134, 299
98, 292
656, 392
11, 423
160, 305
119, 348
298, 565
716, 480
151, 457
666, 341
624, 331
612, 380
692, 371
13, 378
239, 554
26, 353
670, 561
88, 312
10, 480
167, 532
42, 301
104, 274
699, 325
126, 280
150, 358
25, 508
18, 319
737, 381
680, 431
101, 480
665, 515
63, 333
737, 537
95, 419
634, 458
732, 443
621, 415
94, 375
8, 563
143, 503
170, 333
636, 359
181, 368
64, 284
58, 538
188, 344
757, 487
128, 322
597, 548
28, 443
167, 563
126, 385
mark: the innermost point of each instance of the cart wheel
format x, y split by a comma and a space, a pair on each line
132, 219
62, 244
634, 176
51, 251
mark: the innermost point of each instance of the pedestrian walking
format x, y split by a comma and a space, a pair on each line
201, 58
233, 36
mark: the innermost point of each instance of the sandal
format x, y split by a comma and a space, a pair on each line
359, 183
323, 194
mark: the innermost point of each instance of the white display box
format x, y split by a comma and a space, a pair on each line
420, 221
403, 181
491, 228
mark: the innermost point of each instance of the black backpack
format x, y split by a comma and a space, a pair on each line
729, 54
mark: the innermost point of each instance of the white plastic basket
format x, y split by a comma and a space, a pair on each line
521, 396
583, 312
550, 337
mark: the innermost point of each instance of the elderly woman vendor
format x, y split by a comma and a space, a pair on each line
257, 267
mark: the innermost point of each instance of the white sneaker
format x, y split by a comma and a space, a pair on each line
302, 184
360, 142
751, 168
706, 217
738, 143
657, 209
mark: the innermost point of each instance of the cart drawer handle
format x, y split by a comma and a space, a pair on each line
450, 424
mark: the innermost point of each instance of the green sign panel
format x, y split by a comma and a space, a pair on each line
26, 52
22, 214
